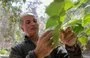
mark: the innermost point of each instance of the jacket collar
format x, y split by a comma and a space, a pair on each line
27, 39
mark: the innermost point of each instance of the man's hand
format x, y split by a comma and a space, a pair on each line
44, 45
68, 37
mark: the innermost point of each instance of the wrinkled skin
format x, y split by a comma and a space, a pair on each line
68, 37
30, 26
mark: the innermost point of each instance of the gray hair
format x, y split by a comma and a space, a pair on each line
25, 14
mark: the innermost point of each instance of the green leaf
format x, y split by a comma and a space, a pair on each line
55, 8
87, 10
52, 22
83, 1
88, 31
71, 23
83, 40
86, 20
77, 28
4, 5
3, 51
58, 0
62, 18
74, 21
76, 2
80, 3
5, 1
68, 4
56, 36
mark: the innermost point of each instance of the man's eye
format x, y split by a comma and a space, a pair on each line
35, 20
28, 22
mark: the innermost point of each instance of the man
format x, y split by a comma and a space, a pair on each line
41, 47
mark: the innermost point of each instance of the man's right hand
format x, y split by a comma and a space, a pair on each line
44, 45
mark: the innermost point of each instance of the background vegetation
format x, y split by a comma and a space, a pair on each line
61, 14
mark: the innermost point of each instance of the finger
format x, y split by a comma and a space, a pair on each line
71, 41
51, 45
48, 36
72, 36
69, 35
68, 30
50, 42
45, 33
62, 35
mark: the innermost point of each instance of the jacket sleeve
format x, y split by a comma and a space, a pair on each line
74, 51
16, 52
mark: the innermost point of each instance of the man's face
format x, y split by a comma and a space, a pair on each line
29, 25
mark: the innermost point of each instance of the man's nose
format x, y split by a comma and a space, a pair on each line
33, 23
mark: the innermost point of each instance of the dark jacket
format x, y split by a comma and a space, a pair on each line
25, 50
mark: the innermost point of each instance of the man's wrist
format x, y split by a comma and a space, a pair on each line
38, 55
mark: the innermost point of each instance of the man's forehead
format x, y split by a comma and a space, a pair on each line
28, 17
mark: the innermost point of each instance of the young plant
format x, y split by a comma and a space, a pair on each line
60, 18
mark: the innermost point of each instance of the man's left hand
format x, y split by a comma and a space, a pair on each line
68, 37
